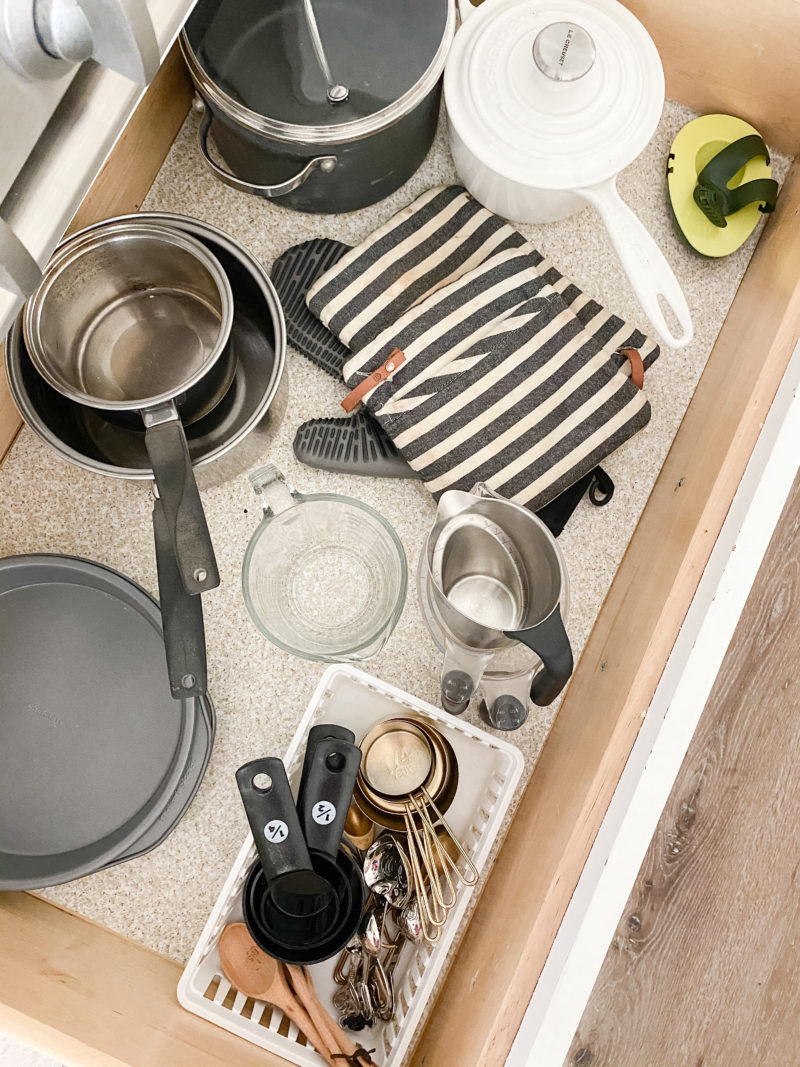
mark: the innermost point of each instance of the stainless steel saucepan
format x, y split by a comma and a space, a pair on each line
127, 319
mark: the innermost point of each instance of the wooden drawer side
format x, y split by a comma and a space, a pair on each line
498, 963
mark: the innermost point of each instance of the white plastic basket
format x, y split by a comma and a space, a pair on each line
489, 770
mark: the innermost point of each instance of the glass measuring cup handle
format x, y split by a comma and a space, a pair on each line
273, 491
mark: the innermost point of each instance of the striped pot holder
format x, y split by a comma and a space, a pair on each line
480, 360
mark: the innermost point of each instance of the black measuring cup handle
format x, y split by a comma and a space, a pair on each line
296, 889
548, 639
273, 818
330, 781
315, 735
181, 618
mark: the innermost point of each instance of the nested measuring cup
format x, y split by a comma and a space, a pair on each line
324, 576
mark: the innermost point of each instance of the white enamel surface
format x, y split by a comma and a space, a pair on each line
648, 271
545, 133
516, 201
535, 150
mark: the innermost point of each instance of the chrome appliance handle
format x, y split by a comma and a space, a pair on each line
41, 39
269, 192
19, 271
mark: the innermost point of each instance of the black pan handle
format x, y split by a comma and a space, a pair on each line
273, 817
181, 616
166, 446
550, 643
328, 791
315, 735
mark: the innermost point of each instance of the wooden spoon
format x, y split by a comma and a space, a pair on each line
336, 1037
258, 975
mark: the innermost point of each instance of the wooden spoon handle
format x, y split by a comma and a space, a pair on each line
302, 1019
307, 994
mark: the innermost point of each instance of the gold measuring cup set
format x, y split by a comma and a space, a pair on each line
407, 781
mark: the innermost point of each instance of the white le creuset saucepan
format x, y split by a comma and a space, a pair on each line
546, 104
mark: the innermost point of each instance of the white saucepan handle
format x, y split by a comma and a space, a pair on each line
644, 263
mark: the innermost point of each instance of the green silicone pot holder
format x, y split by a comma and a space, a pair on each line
720, 183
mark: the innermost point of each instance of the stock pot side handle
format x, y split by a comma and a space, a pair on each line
268, 192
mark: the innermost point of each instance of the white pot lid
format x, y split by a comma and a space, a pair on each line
557, 94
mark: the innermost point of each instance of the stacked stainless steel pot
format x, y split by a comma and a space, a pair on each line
154, 344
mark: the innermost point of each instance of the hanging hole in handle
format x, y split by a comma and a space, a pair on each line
200, 574
335, 762
670, 318
262, 783
188, 681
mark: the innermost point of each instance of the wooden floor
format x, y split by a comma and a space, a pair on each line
704, 968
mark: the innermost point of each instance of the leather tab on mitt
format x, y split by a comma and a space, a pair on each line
637, 367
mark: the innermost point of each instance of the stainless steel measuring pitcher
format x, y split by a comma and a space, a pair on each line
496, 577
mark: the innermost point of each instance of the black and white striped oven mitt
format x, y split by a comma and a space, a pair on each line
477, 356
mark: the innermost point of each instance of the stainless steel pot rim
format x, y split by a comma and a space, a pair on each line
323, 135
84, 241
204, 229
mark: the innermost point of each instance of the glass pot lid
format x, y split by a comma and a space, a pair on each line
259, 63
558, 95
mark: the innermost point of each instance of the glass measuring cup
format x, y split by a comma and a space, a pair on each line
324, 576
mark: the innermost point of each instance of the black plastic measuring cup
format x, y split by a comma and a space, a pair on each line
302, 904
327, 789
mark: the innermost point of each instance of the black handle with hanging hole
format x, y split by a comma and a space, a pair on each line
294, 886
328, 791
315, 735
274, 822
165, 441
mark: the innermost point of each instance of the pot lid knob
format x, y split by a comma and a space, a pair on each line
564, 51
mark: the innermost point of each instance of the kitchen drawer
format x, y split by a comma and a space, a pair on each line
88, 996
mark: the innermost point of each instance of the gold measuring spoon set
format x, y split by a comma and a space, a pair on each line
407, 781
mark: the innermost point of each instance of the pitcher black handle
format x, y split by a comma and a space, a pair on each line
550, 643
